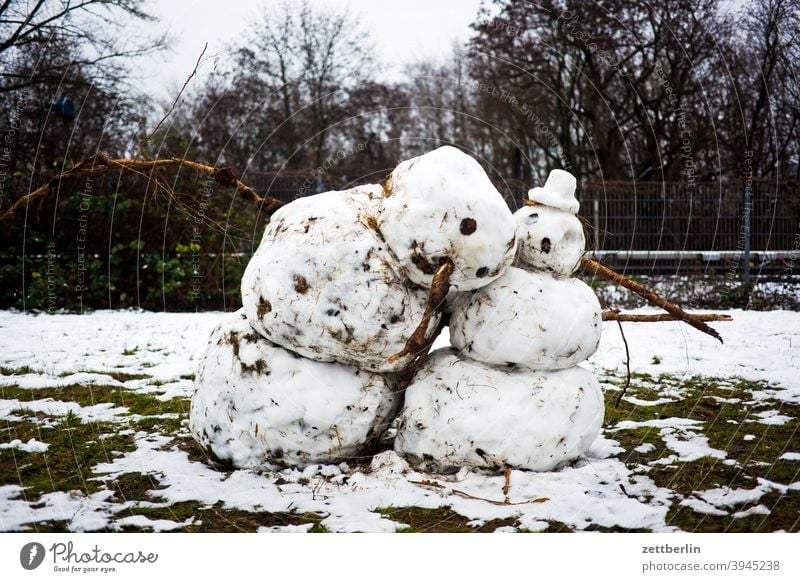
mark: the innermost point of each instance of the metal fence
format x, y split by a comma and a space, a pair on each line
654, 216
653, 226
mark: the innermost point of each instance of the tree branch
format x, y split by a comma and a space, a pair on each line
650, 296
419, 343
102, 164
616, 315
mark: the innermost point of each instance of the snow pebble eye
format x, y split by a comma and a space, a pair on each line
482, 272
532, 218
468, 226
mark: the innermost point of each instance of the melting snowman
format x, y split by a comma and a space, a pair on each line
510, 392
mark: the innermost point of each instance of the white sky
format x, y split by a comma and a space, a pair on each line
402, 30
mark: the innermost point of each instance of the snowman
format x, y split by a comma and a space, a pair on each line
509, 392
305, 372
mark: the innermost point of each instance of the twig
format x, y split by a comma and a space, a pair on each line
616, 315
177, 97
627, 365
651, 297
507, 485
419, 342
465, 495
102, 164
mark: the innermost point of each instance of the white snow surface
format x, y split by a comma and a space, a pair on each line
443, 205
325, 285
257, 403
32, 446
532, 320
550, 240
461, 413
162, 351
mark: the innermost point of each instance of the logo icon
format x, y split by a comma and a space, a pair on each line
31, 555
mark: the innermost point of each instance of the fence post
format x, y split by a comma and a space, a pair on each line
748, 205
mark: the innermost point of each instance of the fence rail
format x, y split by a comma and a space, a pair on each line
664, 224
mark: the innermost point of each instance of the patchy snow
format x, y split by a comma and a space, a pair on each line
578, 495
161, 352
759, 345
701, 506
142, 522
95, 413
302, 528
727, 497
689, 445
772, 417
32, 446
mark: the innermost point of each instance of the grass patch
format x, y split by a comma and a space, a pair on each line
727, 411
218, 519
438, 520
67, 463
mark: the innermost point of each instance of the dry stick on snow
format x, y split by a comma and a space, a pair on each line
419, 342
465, 495
616, 315
101, 164
650, 296
627, 365
507, 484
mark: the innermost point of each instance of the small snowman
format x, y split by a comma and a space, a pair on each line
512, 395
551, 235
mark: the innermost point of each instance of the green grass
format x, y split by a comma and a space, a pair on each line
75, 448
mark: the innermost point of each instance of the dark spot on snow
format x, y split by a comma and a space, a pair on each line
421, 263
511, 242
546, 245
468, 226
482, 272
300, 284
259, 367
532, 218
264, 307
332, 312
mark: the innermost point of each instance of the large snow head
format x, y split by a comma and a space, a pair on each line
441, 206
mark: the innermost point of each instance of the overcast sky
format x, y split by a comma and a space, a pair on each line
403, 31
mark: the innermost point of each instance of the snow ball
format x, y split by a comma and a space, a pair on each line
459, 412
558, 192
257, 403
324, 284
442, 205
533, 320
549, 239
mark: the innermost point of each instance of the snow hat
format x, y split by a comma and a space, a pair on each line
558, 192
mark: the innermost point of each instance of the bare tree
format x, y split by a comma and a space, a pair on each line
91, 29
307, 59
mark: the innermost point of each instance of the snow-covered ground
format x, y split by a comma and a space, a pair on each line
157, 354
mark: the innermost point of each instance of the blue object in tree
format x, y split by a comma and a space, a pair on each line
64, 108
